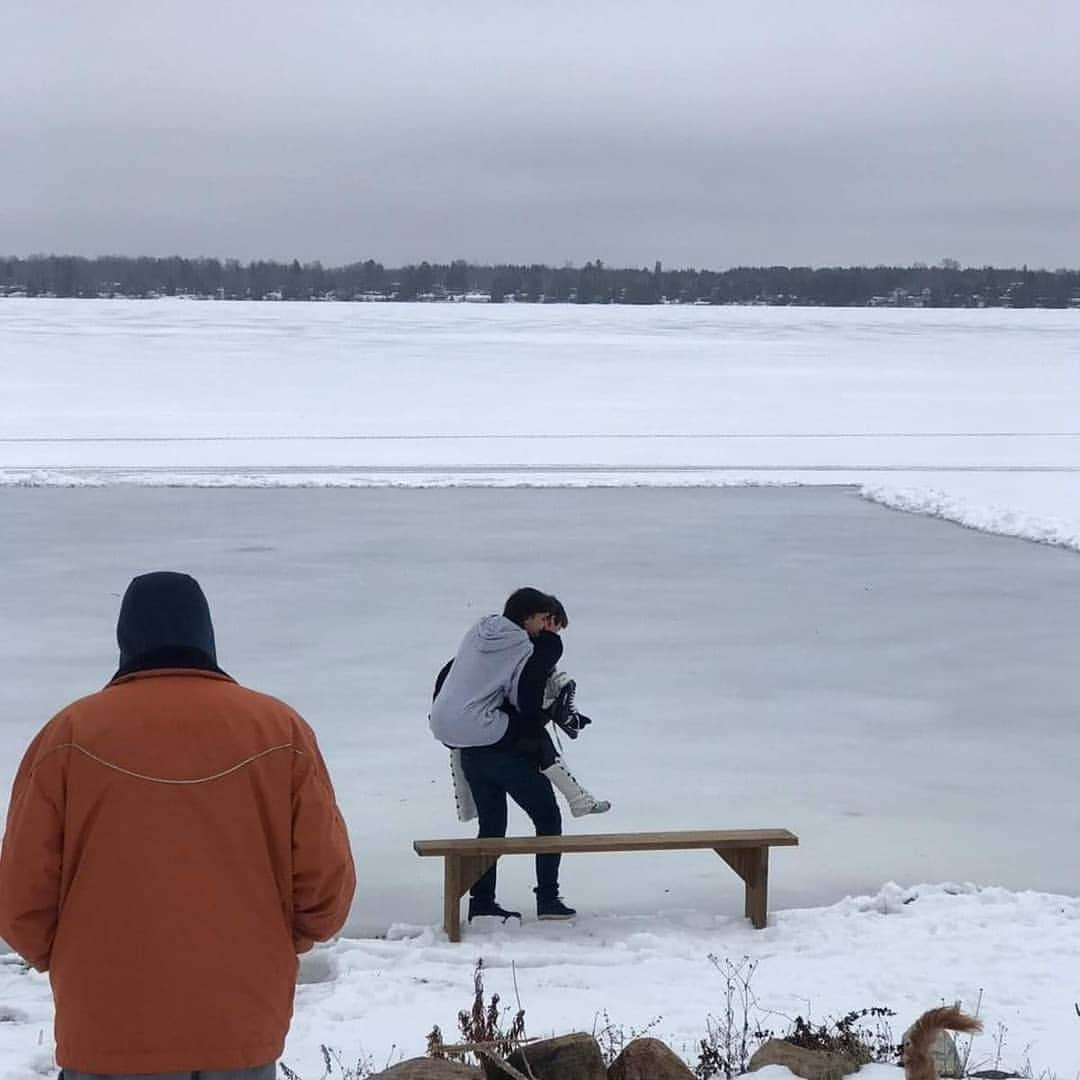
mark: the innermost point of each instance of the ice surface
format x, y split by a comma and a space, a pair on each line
897, 691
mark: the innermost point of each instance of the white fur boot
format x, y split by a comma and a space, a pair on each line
463, 796
581, 801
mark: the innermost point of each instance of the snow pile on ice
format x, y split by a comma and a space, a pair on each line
1046, 510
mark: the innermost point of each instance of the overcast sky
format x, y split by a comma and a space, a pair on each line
703, 133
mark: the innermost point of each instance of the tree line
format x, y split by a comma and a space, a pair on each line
946, 284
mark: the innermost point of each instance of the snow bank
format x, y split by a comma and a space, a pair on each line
1031, 507
402, 477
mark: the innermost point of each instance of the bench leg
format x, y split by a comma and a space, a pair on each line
452, 897
460, 873
752, 865
757, 887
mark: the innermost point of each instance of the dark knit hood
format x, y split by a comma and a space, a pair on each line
165, 623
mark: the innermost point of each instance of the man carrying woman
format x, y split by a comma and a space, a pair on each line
489, 705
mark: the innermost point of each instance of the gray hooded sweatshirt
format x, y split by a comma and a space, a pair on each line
485, 673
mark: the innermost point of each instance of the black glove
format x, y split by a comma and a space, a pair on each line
577, 721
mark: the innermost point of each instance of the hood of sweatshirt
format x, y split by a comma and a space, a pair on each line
468, 709
165, 622
494, 633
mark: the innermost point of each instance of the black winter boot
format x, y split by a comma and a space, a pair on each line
552, 907
478, 907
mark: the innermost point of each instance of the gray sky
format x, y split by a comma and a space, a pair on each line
702, 132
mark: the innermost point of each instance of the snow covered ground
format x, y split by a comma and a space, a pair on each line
897, 691
911, 948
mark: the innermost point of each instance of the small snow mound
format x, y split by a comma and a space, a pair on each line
890, 899
893, 899
418, 935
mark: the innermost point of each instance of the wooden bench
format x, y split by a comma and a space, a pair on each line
746, 851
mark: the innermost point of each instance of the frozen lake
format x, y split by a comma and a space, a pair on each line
965, 415
898, 691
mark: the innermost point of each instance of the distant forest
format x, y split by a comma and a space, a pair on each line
944, 285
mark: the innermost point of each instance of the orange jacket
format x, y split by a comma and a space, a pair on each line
172, 843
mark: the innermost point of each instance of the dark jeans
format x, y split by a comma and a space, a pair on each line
261, 1072
538, 747
493, 773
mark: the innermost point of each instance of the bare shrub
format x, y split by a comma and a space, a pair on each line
864, 1044
731, 1038
482, 1028
612, 1038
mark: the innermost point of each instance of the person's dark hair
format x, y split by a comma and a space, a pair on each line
522, 603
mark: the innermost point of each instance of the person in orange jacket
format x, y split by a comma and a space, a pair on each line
172, 843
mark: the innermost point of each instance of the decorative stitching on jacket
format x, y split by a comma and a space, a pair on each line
164, 780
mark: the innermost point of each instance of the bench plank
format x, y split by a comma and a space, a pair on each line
746, 851
584, 842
